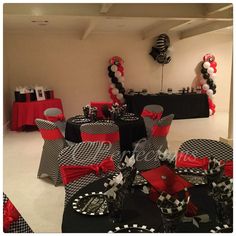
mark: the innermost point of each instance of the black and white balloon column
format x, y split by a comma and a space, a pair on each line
207, 81
116, 75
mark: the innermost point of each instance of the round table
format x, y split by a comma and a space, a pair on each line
138, 209
130, 132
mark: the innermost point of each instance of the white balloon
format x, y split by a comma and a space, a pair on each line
213, 76
210, 70
202, 81
112, 86
119, 96
114, 68
210, 112
205, 87
206, 64
118, 74
115, 91
210, 93
121, 79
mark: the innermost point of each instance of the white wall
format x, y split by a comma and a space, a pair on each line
77, 70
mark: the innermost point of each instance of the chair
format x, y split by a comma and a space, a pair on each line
56, 115
103, 132
83, 154
202, 150
150, 114
54, 142
159, 133
13, 222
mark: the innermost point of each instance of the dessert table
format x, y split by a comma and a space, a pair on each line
183, 106
130, 131
138, 209
25, 113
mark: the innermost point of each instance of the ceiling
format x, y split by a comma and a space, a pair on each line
148, 20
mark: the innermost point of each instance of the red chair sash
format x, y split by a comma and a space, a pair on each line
189, 161
10, 215
71, 173
27, 97
160, 131
59, 117
112, 137
152, 115
51, 134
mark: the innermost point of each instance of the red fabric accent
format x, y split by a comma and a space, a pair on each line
99, 105
160, 131
25, 113
112, 137
71, 173
27, 97
172, 183
59, 117
189, 161
10, 215
192, 209
228, 168
152, 115
212, 106
51, 134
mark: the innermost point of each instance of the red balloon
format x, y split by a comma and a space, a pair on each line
213, 64
120, 68
215, 70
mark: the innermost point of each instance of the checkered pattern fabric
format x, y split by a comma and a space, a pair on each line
147, 120
51, 149
222, 229
207, 148
19, 226
160, 143
54, 111
104, 128
83, 154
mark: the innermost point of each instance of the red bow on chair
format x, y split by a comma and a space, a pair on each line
10, 214
59, 117
71, 173
160, 131
152, 115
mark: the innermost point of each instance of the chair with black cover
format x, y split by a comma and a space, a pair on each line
150, 114
54, 142
103, 132
84, 155
56, 115
13, 222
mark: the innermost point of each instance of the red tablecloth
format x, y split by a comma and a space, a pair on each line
25, 113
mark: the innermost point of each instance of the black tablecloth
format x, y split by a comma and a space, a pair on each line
138, 209
130, 131
182, 106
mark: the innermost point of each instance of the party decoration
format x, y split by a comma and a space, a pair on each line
116, 74
207, 80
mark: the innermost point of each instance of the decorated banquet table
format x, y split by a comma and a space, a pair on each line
138, 210
130, 131
25, 113
183, 106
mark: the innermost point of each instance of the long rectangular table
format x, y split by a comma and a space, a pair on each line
182, 106
25, 113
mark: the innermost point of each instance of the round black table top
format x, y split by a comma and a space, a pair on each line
138, 209
130, 132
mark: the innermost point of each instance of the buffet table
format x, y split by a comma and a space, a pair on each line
138, 209
130, 131
25, 113
182, 106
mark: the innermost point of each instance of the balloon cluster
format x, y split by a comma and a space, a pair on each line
208, 76
159, 52
116, 74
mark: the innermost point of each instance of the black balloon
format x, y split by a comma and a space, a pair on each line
114, 80
109, 68
122, 90
154, 53
203, 70
118, 85
206, 76
210, 82
111, 74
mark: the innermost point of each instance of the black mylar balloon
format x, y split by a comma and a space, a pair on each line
154, 53
203, 70
206, 76
111, 74
114, 80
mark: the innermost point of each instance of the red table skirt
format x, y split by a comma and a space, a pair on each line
25, 113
